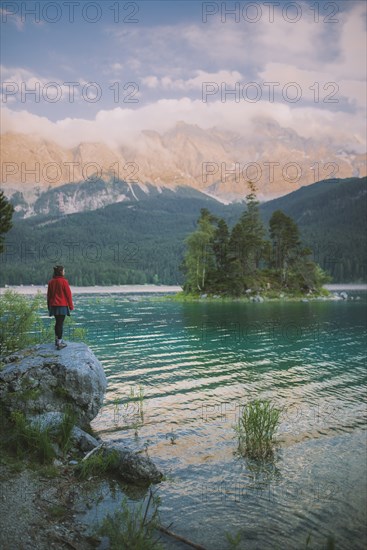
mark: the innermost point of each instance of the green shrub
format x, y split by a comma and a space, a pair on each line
256, 428
18, 316
22, 324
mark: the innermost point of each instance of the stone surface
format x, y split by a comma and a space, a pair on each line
258, 299
43, 382
52, 420
41, 379
46, 421
84, 441
131, 466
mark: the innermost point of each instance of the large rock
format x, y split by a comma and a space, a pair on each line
43, 383
131, 466
41, 379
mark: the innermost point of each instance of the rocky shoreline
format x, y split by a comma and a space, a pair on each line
31, 290
260, 297
39, 511
46, 391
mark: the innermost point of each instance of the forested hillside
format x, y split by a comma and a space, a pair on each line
332, 218
143, 241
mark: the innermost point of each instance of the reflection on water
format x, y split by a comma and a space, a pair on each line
179, 375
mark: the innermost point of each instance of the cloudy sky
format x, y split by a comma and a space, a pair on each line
102, 71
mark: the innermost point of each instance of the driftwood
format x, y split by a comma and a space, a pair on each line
93, 451
180, 538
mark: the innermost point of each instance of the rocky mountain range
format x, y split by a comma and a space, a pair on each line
41, 175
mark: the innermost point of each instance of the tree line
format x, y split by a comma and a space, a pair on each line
146, 242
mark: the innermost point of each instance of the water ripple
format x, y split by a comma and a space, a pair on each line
196, 366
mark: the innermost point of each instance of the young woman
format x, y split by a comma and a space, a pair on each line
59, 302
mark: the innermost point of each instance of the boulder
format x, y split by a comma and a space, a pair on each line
45, 384
131, 466
83, 440
41, 379
258, 299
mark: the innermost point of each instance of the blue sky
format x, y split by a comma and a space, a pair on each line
285, 61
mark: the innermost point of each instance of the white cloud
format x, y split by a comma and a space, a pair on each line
116, 67
173, 58
351, 61
229, 44
315, 86
194, 83
151, 81
7, 15
21, 84
122, 126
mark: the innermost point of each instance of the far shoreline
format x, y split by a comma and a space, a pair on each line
144, 289
110, 289
348, 286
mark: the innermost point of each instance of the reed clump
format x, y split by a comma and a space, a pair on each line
256, 428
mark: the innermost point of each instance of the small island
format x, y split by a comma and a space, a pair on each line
244, 263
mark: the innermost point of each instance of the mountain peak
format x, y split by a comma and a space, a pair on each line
216, 160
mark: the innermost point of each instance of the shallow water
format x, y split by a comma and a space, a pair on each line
195, 366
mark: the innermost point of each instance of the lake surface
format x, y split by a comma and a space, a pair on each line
195, 366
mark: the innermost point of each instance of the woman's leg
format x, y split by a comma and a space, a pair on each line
59, 326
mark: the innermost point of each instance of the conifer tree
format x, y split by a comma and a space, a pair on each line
221, 253
290, 259
286, 249
6, 213
247, 243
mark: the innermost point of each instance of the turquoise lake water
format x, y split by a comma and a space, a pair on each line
195, 366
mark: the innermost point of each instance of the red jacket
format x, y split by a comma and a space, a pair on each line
59, 293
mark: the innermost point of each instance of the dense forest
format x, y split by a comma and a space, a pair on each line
124, 243
144, 241
331, 216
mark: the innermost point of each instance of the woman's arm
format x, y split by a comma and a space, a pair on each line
69, 297
48, 295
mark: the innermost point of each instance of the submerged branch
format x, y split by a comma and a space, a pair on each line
180, 538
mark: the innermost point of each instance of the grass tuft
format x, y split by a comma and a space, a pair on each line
133, 529
97, 464
256, 428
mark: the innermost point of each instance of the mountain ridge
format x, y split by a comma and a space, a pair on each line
214, 161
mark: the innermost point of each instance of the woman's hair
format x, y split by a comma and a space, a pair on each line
58, 269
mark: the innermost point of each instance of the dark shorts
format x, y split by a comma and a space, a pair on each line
58, 310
